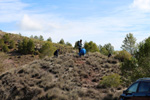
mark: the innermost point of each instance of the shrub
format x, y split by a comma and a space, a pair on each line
104, 51
5, 48
112, 80
1, 43
123, 55
47, 50
12, 44
41, 38
24, 46
62, 41
49, 39
6, 38
30, 46
91, 47
68, 44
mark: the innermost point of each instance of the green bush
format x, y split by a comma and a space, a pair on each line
12, 44
1, 43
62, 41
104, 51
47, 50
30, 46
123, 55
49, 39
108, 49
6, 38
5, 48
68, 44
91, 47
26, 46
112, 80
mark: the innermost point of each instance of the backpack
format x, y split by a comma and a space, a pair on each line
78, 43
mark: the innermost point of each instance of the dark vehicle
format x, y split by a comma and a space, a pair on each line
139, 90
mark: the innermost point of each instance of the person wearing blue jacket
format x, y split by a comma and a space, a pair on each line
82, 52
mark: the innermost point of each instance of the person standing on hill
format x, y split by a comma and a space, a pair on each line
80, 45
56, 53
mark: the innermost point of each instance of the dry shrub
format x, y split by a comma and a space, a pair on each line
83, 74
107, 65
59, 78
56, 94
69, 63
108, 97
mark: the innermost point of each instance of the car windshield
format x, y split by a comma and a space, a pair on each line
133, 88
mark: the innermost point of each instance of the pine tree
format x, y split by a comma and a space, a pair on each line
49, 39
12, 44
30, 46
129, 43
1, 43
62, 41
91, 47
68, 44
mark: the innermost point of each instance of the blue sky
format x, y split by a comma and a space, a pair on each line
100, 21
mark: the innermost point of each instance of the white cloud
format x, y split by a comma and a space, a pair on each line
11, 10
102, 30
141, 5
29, 24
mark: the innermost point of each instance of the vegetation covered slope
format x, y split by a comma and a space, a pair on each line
67, 77
21, 53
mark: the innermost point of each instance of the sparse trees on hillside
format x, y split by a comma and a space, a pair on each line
26, 46
12, 44
30, 46
68, 44
31, 37
62, 41
109, 48
5, 48
138, 66
129, 43
6, 38
106, 49
36, 37
1, 43
91, 47
123, 55
41, 38
49, 39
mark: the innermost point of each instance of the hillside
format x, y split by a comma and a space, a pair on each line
67, 77
14, 59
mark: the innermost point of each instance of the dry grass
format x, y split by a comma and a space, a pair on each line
67, 77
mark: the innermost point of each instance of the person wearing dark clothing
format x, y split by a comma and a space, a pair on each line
56, 53
80, 45
109, 55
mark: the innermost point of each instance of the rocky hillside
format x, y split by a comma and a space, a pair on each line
67, 77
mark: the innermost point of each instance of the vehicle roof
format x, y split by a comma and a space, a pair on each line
144, 79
